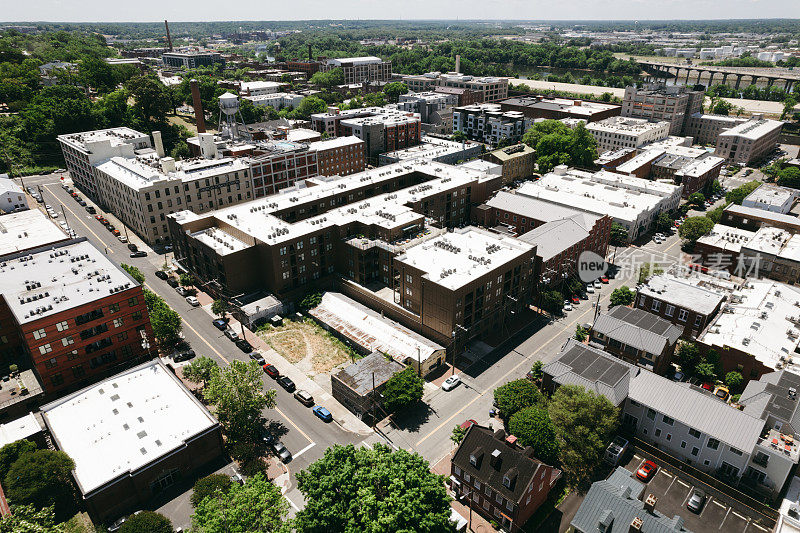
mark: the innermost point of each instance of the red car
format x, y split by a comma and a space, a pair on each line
575, 299
708, 386
271, 371
646, 471
604, 280
467, 423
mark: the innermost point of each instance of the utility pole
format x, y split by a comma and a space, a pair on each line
372, 396
419, 365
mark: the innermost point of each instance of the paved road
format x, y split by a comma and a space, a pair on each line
304, 435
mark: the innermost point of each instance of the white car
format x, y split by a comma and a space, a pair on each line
590, 288
451, 383
567, 307
123, 238
193, 301
598, 284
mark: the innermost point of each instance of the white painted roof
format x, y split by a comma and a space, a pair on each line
125, 422
18, 429
753, 129
726, 238
687, 292
27, 229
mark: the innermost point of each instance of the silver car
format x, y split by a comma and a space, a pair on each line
281, 451
696, 501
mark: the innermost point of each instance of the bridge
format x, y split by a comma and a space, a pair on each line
664, 71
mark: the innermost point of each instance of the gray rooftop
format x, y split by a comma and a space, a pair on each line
552, 238
359, 376
537, 209
682, 293
754, 212
28, 229
579, 364
638, 328
774, 395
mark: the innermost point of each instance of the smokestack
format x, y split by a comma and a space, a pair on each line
159, 144
458, 64
169, 39
309, 52
199, 118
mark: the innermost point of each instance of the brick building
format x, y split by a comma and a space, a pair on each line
558, 108
340, 156
518, 161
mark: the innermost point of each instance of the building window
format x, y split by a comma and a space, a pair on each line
670, 310
61, 326
498, 498
658, 432
118, 322
735, 451
457, 470
133, 302
698, 320
683, 444
668, 421
39, 334
656, 305
473, 460
713, 443
113, 308
78, 371
45, 348
50, 363
683, 314
409, 279
694, 433
651, 414
695, 451
57, 380
66, 341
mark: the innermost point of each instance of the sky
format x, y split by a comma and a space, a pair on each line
203, 10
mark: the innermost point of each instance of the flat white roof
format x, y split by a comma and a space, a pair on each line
635, 126
648, 156
371, 330
726, 238
456, 258
254, 85
769, 194
18, 429
362, 60
336, 142
125, 422
28, 229
144, 171
117, 136
756, 321
430, 148
687, 292
753, 129
699, 167
768, 240
57, 278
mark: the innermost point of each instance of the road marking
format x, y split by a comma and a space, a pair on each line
721, 505
304, 450
740, 516
637, 457
682, 483
294, 425
669, 475
79, 219
710, 499
725, 518
762, 528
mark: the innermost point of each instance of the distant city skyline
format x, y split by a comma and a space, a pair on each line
200, 10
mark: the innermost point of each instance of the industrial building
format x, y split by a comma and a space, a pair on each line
660, 103
558, 108
434, 149
621, 132
490, 89
360, 69
749, 142
191, 59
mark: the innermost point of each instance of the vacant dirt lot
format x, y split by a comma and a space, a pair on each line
306, 345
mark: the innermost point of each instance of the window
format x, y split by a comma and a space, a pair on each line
695, 451
735, 451
133, 302
78, 371
668, 421
467, 477
507, 482
473, 460
39, 334
683, 444
57, 380
698, 320
670, 310
118, 322
61, 326
656, 305
409, 278
683, 314
113, 308
66, 341
498, 498
45, 348
457, 470
651, 414
713, 443
50, 363
669, 436
694, 433
658, 432
509, 505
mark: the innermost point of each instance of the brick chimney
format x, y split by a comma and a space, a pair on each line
636, 525
198, 108
650, 503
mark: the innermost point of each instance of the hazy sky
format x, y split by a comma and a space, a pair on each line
193, 10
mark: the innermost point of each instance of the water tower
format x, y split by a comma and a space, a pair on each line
229, 123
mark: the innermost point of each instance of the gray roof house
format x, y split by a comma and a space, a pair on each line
637, 336
614, 505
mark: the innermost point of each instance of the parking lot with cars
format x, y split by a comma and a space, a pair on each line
714, 512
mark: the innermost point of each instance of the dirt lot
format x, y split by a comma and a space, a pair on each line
306, 345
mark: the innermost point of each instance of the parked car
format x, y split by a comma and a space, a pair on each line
183, 356
287, 383
604, 279
646, 471
183, 291
115, 233
236, 477
160, 274
81, 203
323, 414
451, 382
722, 393
193, 301
598, 284
281, 451
122, 238
91, 210
117, 525
575, 299
271, 371
590, 288
258, 358
466, 424
172, 282
132, 247
232, 335
244, 346
139, 253
266, 436
304, 397
678, 376
696, 501
567, 307
219, 323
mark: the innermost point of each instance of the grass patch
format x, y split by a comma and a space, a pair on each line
290, 344
294, 340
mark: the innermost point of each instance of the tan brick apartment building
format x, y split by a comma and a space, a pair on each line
749, 142
518, 161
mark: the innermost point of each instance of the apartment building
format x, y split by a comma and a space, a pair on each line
705, 128
489, 88
360, 69
70, 314
638, 337
659, 103
558, 108
518, 162
191, 59
749, 142
505, 482
276, 101
426, 104
82, 151
486, 123
465, 96
259, 87
772, 253
720, 249
307, 66
632, 202
434, 149
26, 230
753, 218
142, 191
621, 132
340, 156
771, 197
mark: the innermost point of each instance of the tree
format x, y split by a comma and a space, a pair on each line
737, 195
237, 392
459, 136
695, 227
697, 199
372, 490
789, 177
552, 301
536, 371
134, 272
532, 426
621, 296
515, 396
152, 100
147, 522
187, 280
328, 79
687, 355
29, 519
13, 451
715, 215
584, 423
403, 390
663, 222
704, 371
166, 323
788, 106
721, 107
394, 89
734, 381
309, 106
41, 478
209, 486
580, 333
556, 144
310, 301
619, 235
255, 506
458, 434
219, 307
200, 370
95, 72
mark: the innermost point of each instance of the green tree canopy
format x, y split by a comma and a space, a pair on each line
134, 272
687, 355
371, 490
663, 222
515, 396
41, 478
13, 451
695, 227
394, 89
552, 301
532, 426
737, 195
152, 100
403, 390
255, 506
536, 370
29, 519
621, 296
458, 434
328, 79
219, 307
147, 522
200, 370
209, 486
309, 106
584, 423
789, 177
697, 199
734, 381
619, 235
237, 392
556, 144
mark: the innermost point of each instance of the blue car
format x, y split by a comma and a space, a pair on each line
220, 324
323, 413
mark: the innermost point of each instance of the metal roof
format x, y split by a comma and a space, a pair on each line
638, 329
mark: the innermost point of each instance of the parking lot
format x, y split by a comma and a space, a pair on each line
716, 515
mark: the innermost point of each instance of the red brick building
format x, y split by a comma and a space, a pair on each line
504, 481
340, 156
71, 315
